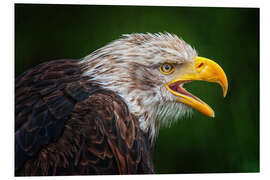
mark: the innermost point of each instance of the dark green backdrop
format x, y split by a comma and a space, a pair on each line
230, 36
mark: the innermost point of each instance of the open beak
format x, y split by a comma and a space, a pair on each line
204, 70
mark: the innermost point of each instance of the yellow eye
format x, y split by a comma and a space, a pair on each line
166, 68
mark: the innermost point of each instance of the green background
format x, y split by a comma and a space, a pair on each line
230, 36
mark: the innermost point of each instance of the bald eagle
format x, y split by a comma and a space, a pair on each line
102, 113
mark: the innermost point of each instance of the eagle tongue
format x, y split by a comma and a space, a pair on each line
182, 90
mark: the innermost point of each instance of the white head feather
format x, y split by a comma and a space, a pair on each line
129, 66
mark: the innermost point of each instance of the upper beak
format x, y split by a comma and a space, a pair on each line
204, 70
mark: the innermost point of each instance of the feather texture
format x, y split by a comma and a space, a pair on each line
66, 124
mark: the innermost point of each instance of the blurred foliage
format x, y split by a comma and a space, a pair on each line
230, 36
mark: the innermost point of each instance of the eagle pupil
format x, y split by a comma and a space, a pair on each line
166, 68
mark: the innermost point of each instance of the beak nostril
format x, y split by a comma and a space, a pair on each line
200, 65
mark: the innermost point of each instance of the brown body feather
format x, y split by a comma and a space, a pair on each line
68, 125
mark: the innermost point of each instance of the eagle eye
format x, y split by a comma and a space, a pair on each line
166, 68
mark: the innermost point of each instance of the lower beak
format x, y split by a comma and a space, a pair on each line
204, 70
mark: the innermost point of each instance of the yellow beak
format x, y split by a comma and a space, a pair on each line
204, 70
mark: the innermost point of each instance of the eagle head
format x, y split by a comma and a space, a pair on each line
148, 71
